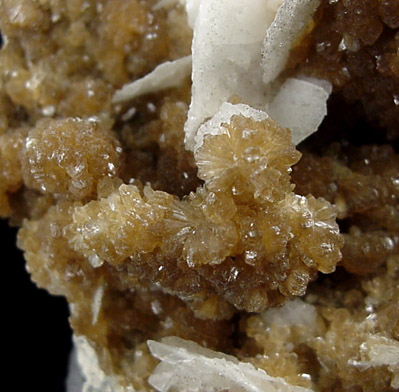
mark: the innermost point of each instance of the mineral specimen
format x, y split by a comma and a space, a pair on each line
206, 237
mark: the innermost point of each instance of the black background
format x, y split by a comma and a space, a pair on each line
36, 333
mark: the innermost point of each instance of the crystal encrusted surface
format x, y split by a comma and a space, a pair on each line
354, 44
280, 262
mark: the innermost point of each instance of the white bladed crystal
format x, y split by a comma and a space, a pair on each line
188, 367
291, 20
166, 75
226, 51
300, 105
228, 45
232, 57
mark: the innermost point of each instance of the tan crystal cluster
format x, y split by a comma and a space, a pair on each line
148, 240
363, 183
265, 242
341, 336
65, 58
233, 232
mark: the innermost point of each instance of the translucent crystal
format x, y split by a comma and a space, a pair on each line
187, 366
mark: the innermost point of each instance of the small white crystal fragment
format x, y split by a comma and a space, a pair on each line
291, 20
166, 75
292, 313
95, 261
97, 302
188, 367
129, 114
48, 111
300, 105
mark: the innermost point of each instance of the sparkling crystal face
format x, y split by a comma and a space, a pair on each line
200, 247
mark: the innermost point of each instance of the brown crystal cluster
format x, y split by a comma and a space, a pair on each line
355, 45
363, 182
246, 212
146, 239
